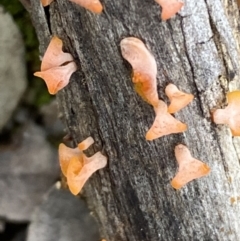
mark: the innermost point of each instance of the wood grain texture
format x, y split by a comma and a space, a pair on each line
198, 51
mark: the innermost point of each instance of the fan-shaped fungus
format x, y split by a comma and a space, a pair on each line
94, 6
144, 68
164, 123
46, 2
57, 78
169, 8
189, 167
54, 56
178, 99
57, 66
231, 114
77, 167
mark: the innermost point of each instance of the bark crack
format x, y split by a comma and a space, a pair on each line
221, 23
192, 69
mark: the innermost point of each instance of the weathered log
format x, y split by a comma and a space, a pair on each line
198, 51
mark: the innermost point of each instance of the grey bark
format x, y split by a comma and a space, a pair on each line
198, 51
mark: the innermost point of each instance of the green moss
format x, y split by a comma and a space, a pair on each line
14, 6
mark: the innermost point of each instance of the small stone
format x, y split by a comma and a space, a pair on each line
62, 217
13, 80
29, 167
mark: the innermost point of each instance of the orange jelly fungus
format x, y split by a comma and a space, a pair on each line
144, 68
169, 8
94, 6
57, 66
54, 56
57, 78
164, 123
77, 167
189, 167
65, 154
46, 2
231, 114
178, 99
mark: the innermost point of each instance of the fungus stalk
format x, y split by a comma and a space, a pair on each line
164, 123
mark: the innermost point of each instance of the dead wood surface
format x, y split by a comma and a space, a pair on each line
198, 51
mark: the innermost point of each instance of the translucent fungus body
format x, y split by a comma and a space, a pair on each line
94, 6
164, 123
231, 114
169, 8
178, 99
189, 167
77, 167
46, 2
57, 66
58, 77
144, 68
54, 56
65, 154
79, 172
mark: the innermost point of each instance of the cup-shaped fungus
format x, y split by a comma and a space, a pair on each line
57, 66
164, 123
178, 99
94, 6
46, 2
169, 8
77, 167
79, 172
231, 114
144, 68
65, 154
58, 77
189, 167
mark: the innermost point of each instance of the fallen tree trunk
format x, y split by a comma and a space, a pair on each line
197, 50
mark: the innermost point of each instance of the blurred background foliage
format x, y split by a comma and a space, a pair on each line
37, 94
